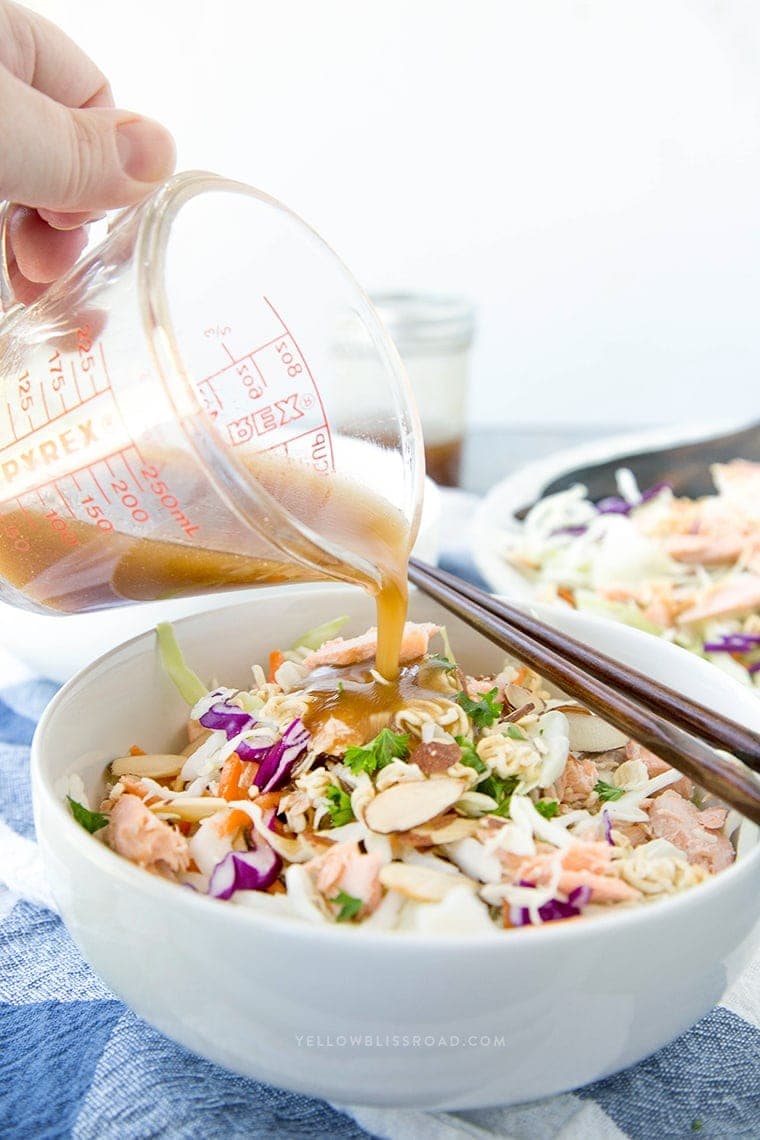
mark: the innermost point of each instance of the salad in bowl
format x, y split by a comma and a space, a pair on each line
686, 570
441, 802
504, 907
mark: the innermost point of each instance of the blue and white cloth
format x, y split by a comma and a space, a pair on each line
76, 1062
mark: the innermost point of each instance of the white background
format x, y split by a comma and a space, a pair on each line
587, 172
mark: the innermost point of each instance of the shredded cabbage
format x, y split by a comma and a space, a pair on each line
189, 685
314, 638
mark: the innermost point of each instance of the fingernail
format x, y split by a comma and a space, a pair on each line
146, 150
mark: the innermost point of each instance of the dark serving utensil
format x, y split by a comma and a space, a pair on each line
686, 467
640, 707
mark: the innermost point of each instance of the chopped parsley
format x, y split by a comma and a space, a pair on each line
696, 1125
438, 661
515, 733
608, 791
547, 808
339, 806
498, 789
469, 755
384, 749
484, 712
91, 821
349, 906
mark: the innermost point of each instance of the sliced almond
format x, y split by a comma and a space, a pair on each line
407, 805
191, 808
448, 830
159, 765
591, 734
518, 697
420, 883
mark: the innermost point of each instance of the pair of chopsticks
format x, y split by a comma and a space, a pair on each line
677, 729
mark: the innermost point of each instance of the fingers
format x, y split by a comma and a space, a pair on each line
63, 221
76, 160
42, 253
40, 54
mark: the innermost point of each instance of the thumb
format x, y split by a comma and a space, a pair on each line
92, 159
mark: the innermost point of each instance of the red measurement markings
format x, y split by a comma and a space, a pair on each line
105, 366
44, 403
10, 421
232, 358
126, 463
94, 478
51, 420
76, 383
210, 397
76, 482
64, 500
314, 384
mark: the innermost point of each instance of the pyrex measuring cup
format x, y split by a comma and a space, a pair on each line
172, 419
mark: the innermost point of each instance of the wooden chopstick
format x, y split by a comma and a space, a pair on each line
726, 778
679, 710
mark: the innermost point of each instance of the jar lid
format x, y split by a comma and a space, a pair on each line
418, 321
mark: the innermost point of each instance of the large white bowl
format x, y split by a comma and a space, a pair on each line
383, 1018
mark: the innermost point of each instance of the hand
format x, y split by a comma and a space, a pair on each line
66, 154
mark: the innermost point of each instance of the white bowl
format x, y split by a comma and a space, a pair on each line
57, 646
495, 529
383, 1018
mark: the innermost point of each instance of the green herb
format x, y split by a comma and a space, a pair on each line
341, 686
91, 821
482, 712
349, 906
547, 808
515, 733
437, 661
386, 747
469, 755
608, 791
696, 1125
339, 806
499, 789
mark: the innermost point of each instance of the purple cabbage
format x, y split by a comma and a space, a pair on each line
754, 667
229, 718
734, 643
607, 818
572, 530
277, 761
654, 490
614, 505
245, 871
554, 909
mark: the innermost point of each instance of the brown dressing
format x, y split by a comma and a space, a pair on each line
74, 565
361, 702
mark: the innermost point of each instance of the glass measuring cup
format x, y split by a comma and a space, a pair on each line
172, 420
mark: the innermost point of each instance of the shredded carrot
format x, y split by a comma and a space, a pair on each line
134, 788
276, 659
135, 750
234, 822
268, 800
229, 781
276, 888
567, 596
